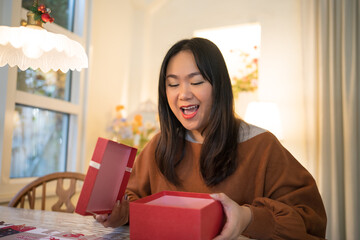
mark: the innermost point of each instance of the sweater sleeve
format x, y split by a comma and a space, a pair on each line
138, 185
139, 182
291, 206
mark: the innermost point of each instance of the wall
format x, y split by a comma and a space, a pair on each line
132, 37
110, 44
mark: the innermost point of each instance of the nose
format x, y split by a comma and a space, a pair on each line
185, 92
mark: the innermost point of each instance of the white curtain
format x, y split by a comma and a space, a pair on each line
331, 30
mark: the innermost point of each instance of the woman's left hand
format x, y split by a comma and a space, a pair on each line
237, 217
118, 217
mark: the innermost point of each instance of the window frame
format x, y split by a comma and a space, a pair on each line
10, 96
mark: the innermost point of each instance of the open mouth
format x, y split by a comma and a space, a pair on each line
189, 111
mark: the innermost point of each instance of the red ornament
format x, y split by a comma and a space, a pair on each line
45, 17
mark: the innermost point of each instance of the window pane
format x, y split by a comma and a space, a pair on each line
39, 142
61, 10
51, 84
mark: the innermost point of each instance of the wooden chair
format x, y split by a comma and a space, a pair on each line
64, 195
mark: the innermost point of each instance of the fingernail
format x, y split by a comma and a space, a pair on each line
118, 203
214, 195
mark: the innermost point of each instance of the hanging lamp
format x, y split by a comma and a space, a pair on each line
31, 46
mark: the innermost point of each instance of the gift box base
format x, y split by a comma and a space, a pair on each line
176, 216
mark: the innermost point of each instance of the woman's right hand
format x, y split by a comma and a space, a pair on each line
237, 218
118, 217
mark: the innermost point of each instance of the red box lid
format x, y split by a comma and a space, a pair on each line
176, 216
106, 178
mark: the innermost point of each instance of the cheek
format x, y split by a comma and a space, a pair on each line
207, 98
170, 99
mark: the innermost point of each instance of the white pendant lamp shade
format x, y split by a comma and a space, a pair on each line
34, 47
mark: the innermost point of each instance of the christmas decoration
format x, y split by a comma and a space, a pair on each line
41, 13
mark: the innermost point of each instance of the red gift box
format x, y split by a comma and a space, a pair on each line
176, 216
106, 178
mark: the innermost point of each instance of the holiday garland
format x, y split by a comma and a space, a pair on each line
42, 13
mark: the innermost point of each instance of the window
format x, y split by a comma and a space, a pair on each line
40, 112
40, 135
51, 84
39, 142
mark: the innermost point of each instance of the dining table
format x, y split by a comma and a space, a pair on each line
29, 224
19, 223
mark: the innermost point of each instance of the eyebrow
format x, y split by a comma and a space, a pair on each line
188, 76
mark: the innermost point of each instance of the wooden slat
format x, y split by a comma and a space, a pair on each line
31, 197
22, 202
43, 196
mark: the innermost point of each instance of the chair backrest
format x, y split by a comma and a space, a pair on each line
64, 195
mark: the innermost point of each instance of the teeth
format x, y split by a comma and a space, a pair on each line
188, 108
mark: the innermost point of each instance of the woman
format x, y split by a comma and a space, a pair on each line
203, 147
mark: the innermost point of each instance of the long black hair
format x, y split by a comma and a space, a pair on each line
218, 153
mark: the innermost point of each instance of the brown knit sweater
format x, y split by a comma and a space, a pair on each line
281, 193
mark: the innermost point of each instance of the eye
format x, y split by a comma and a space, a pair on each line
197, 83
173, 85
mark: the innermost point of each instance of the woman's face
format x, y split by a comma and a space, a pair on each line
188, 93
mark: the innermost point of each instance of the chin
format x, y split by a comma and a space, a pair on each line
190, 127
